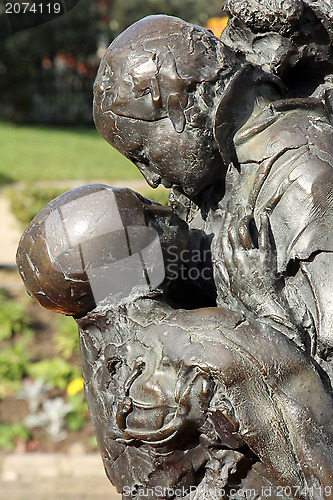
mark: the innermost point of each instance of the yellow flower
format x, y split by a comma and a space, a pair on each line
75, 386
216, 25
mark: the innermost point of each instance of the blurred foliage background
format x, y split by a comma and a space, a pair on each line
47, 71
48, 63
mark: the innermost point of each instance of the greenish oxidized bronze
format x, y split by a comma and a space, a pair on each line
206, 326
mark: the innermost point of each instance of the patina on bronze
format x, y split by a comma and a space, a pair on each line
233, 400
172, 388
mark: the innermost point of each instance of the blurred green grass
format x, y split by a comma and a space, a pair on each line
35, 153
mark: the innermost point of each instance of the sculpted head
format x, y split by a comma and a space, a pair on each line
157, 395
154, 99
95, 243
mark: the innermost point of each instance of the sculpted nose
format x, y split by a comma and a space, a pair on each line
99, 92
152, 179
138, 368
99, 89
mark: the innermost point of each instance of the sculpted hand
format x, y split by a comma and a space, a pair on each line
249, 263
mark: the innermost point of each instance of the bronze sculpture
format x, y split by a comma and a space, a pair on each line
215, 384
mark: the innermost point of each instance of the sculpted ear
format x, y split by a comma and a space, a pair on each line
230, 112
176, 113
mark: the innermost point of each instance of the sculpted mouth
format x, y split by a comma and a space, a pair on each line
151, 406
166, 183
158, 436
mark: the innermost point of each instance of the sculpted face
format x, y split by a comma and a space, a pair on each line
187, 160
150, 392
154, 100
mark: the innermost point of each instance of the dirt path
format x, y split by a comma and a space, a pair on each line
10, 232
38, 476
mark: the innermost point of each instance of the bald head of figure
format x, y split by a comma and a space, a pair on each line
96, 243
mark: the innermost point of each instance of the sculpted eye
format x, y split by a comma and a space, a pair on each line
113, 364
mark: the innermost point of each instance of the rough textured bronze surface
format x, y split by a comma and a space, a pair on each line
213, 380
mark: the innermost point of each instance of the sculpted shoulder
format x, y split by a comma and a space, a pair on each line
285, 124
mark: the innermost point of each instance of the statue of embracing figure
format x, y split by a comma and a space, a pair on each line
206, 325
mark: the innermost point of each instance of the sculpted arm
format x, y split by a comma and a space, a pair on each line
206, 369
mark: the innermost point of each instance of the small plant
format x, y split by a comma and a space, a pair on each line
9, 433
76, 418
67, 337
14, 362
14, 320
55, 371
15, 337
75, 386
32, 392
51, 418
